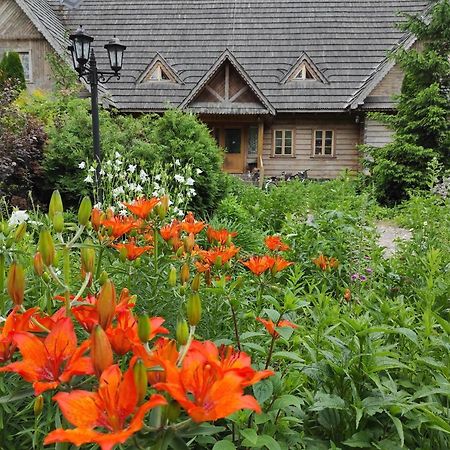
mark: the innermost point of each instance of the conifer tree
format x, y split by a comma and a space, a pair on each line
422, 123
11, 69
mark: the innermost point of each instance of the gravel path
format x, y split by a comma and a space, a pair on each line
389, 234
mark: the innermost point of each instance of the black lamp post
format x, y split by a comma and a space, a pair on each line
84, 62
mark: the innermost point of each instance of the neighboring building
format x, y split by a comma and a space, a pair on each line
284, 85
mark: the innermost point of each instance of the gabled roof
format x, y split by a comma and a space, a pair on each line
346, 39
47, 22
228, 56
304, 59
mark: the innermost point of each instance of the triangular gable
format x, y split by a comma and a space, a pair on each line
385, 66
227, 87
47, 23
158, 66
304, 65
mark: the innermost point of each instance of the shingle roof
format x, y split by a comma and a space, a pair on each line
346, 39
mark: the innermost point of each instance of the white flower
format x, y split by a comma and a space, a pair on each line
82, 165
118, 162
18, 217
132, 168
199, 171
118, 155
138, 188
190, 181
91, 169
132, 186
123, 213
110, 176
102, 172
158, 177
98, 205
179, 178
89, 179
118, 191
143, 175
155, 194
177, 162
192, 192
156, 186
181, 213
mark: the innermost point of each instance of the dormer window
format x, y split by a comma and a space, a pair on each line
304, 69
158, 74
304, 73
159, 70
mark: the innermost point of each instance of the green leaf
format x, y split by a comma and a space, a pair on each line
286, 400
16, 396
263, 390
250, 435
269, 442
399, 427
323, 401
439, 423
250, 334
291, 356
408, 333
224, 445
254, 346
202, 429
361, 439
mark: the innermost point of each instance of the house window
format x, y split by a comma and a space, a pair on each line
26, 64
283, 142
324, 143
304, 73
158, 73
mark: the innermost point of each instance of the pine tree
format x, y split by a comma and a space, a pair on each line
422, 123
11, 69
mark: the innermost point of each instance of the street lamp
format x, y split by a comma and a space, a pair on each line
84, 62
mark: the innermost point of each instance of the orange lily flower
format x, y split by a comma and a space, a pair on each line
170, 231
55, 360
212, 255
113, 407
259, 264
142, 207
124, 336
117, 226
221, 236
226, 358
270, 326
96, 218
163, 350
206, 391
275, 243
14, 322
280, 264
324, 262
132, 251
190, 225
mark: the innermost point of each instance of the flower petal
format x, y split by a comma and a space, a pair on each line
79, 408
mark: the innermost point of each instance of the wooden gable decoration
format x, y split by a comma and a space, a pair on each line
158, 70
304, 69
226, 88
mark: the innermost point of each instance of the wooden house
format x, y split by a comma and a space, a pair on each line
284, 85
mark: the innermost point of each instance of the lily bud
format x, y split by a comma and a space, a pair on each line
182, 332
88, 258
84, 212
6, 229
140, 380
144, 329
106, 304
218, 262
164, 205
46, 247
101, 351
172, 276
348, 295
55, 205
194, 309
38, 405
195, 286
96, 218
189, 243
103, 278
58, 222
178, 247
184, 275
38, 264
16, 283
20, 232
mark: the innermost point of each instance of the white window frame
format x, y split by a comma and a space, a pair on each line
30, 65
322, 154
283, 142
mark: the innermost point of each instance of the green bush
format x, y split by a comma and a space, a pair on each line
11, 69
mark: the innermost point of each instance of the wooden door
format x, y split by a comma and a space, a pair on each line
233, 144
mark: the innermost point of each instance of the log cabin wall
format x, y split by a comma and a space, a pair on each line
17, 33
347, 135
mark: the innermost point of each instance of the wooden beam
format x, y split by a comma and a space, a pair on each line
260, 162
227, 82
213, 92
239, 93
